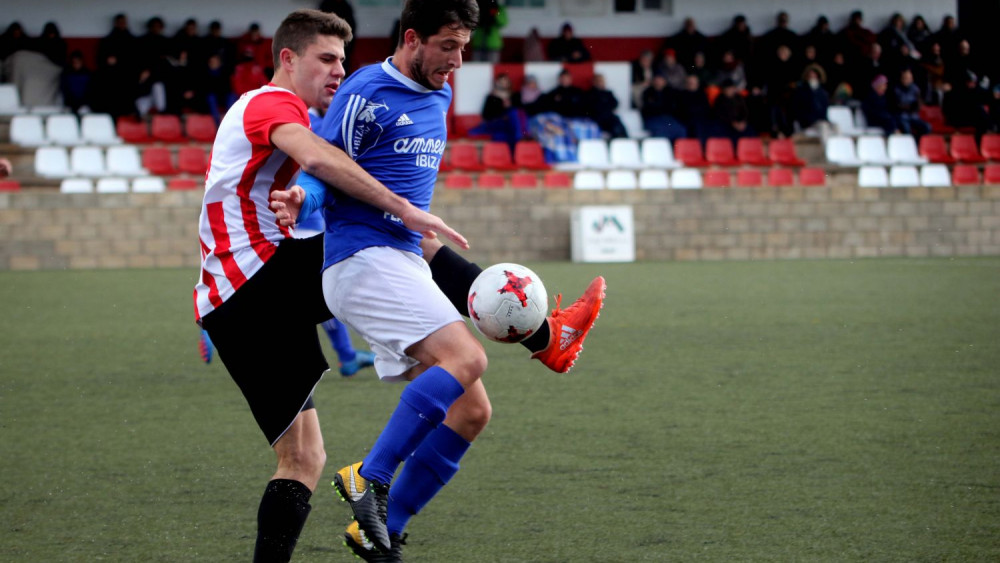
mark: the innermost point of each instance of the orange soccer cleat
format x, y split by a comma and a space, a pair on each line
569, 327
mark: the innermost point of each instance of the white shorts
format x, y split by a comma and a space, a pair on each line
389, 297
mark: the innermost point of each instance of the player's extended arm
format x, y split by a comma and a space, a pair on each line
332, 165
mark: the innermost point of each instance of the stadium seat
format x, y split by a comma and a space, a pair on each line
27, 130
593, 154
167, 128
873, 177
632, 120
872, 150
750, 151
989, 146
154, 184
935, 118
719, 151
904, 176
63, 129
685, 178
749, 178
192, 160
200, 127
529, 155
588, 180
490, 180
964, 149
133, 131
689, 152
813, 177
48, 109
462, 125
496, 156
657, 152
780, 177
524, 180
458, 181
98, 129
124, 160
52, 162
624, 153
111, 185
937, 176
177, 183
465, 157
861, 124
87, 161
653, 180
991, 174
782, 151
76, 186
9, 185
934, 149
557, 180
621, 180
717, 179
10, 100
159, 161
902, 149
840, 150
842, 120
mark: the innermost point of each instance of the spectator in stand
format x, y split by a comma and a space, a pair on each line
731, 69
532, 50
963, 105
213, 43
736, 40
601, 105
948, 37
894, 35
532, 97
6, 169
503, 117
659, 109
254, 43
782, 74
14, 39
699, 68
672, 70
248, 74
567, 47
777, 36
184, 88
694, 111
838, 84
934, 71
154, 48
487, 39
113, 88
994, 109
905, 102
963, 63
343, 9
821, 37
810, 101
732, 112
687, 42
187, 40
865, 70
876, 107
857, 39
918, 33
75, 82
52, 45
643, 69
119, 43
217, 87
566, 99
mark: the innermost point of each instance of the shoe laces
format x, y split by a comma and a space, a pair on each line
557, 311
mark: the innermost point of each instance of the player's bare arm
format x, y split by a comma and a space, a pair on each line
330, 164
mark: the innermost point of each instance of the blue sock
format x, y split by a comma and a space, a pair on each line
425, 472
340, 339
422, 407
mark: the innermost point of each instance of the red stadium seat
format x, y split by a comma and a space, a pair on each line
192, 160
159, 161
167, 128
717, 179
935, 118
200, 127
989, 145
557, 180
184, 184
496, 156
524, 180
8, 185
492, 181
812, 177
582, 73
461, 126
465, 157
965, 175
991, 174
458, 181
719, 151
689, 152
750, 150
780, 177
529, 155
782, 151
749, 178
933, 148
964, 149
133, 131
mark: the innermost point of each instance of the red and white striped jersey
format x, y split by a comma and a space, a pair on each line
237, 228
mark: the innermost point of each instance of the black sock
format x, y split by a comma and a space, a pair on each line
280, 518
454, 275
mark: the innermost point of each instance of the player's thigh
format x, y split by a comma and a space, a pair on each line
454, 348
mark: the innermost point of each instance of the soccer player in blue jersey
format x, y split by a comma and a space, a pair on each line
391, 119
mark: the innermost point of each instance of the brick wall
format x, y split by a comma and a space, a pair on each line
47, 230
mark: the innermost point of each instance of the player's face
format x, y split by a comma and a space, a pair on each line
437, 57
318, 71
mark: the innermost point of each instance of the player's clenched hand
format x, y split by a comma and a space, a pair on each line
424, 222
287, 204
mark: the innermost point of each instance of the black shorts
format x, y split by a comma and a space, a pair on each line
266, 334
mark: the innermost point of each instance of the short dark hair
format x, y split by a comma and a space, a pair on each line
426, 17
299, 30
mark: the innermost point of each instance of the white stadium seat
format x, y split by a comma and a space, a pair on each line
52, 162
657, 152
148, 184
653, 180
63, 129
904, 176
685, 178
624, 153
124, 160
112, 185
27, 130
935, 176
621, 180
87, 161
840, 150
593, 154
871, 150
10, 100
873, 177
588, 180
76, 186
98, 129
902, 149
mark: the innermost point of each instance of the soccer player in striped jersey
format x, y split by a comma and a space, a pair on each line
390, 118
251, 264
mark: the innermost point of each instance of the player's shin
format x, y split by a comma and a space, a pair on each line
280, 518
424, 474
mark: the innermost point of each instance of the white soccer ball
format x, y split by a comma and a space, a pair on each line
507, 302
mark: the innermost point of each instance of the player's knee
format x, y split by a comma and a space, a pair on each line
476, 415
307, 460
472, 365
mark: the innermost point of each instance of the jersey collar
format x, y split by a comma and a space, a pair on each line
390, 68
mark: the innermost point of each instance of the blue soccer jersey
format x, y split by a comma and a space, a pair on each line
395, 129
